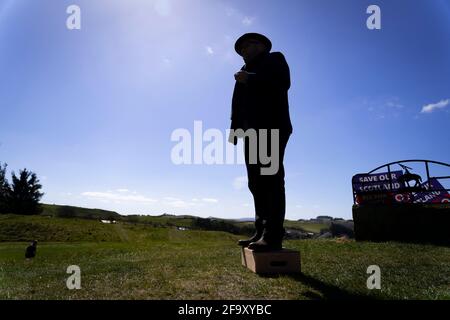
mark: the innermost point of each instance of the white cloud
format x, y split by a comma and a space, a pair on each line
240, 182
122, 190
179, 204
247, 21
230, 11
167, 62
385, 107
171, 199
111, 196
394, 104
195, 202
434, 106
209, 50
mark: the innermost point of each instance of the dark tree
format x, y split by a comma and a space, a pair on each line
25, 193
4, 190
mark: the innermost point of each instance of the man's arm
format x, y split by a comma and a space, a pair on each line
274, 73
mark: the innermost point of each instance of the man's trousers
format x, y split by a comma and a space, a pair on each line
268, 190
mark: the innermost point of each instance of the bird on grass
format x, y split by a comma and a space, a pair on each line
30, 252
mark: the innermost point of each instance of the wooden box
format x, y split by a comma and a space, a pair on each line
281, 261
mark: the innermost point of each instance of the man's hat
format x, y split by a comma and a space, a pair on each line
252, 35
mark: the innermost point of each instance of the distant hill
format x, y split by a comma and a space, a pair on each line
77, 212
245, 219
14, 228
242, 226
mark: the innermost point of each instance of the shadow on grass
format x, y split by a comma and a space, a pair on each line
328, 291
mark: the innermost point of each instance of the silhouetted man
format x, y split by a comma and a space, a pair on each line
260, 101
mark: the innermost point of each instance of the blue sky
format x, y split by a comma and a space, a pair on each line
91, 111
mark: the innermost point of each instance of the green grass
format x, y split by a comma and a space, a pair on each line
132, 261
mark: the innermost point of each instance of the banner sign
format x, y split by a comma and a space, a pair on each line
376, 188
438, 196
376, 182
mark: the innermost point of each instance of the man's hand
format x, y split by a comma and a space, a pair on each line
241, 76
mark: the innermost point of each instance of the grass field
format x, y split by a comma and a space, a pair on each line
133, 261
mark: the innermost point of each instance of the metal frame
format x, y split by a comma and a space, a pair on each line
388, 165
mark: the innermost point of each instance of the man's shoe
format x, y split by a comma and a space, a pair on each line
265, 245
246, 242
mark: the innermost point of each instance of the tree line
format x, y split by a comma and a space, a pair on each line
22, 195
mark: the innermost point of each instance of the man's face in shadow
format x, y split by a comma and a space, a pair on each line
251, 48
